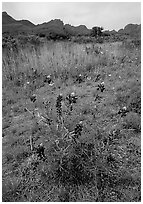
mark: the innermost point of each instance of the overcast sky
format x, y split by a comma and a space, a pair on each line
109, 15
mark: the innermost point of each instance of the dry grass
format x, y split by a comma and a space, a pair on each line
59, 57
108, 152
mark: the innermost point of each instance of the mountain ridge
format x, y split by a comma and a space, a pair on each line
57, 27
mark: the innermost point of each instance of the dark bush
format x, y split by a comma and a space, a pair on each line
42, 35
57, 36
75, 168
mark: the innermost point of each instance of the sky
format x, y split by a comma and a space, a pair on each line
109, 15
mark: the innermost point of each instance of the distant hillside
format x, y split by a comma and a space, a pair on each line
55, 29
133, 30
78, 30
51, 28
26, 23
11, 25
6, 19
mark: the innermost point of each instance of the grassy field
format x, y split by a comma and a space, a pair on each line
104, 165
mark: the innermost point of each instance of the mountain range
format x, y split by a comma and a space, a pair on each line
57, 27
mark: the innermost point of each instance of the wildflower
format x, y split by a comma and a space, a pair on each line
123, 111
59, 104
95, 106
72, 98
33, 98
46, 103
34, 71
88, 78
97, 77
79, 78
78, 129
49, 80
101, 87
97, 97
40, 151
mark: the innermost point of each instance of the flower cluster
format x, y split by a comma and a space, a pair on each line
78, 129
79, 78
71, 98
123, 111
48, 79
59, 105
101, 87
33, 98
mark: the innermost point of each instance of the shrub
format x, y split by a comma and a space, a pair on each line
75, 167
42, 35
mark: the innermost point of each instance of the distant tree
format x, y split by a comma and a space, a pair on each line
42, 35
57, 36
96, 31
